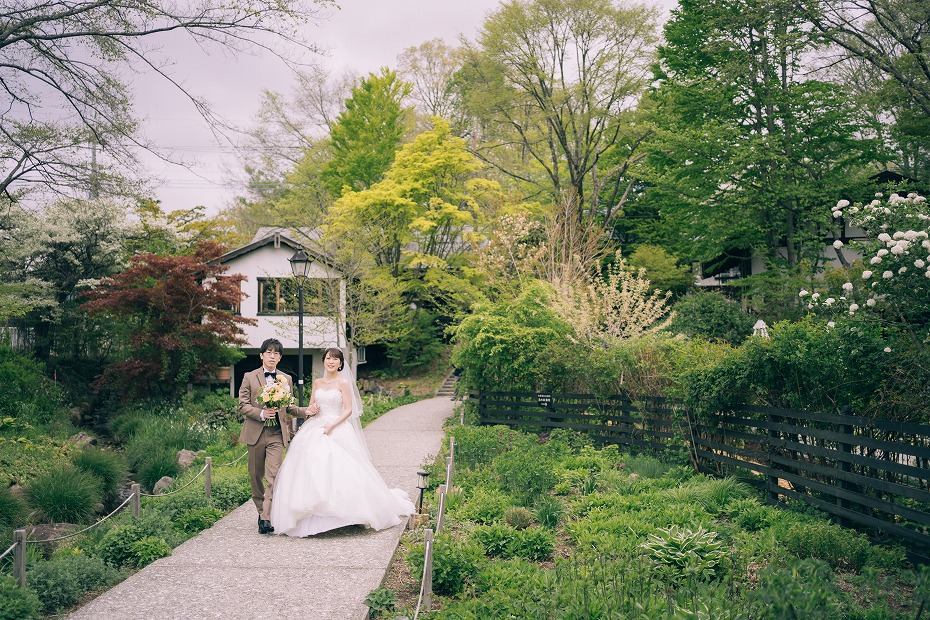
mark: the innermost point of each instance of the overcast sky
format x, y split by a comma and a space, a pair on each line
362, 35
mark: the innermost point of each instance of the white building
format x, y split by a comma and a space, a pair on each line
270, 297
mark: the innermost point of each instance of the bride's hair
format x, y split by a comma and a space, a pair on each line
337, 353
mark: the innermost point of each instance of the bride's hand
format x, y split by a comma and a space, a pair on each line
328, 431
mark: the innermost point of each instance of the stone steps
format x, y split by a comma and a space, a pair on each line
447, 388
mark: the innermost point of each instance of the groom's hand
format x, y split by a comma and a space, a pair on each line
271, 414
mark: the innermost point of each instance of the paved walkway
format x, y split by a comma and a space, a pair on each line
232, 572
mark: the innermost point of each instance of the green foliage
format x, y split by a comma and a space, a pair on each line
662, 269
11, 509
135, 543
195, 521
645, 466
380, 601
749, 514
17, 603
484, 506
509, 343
66, 495
66, 579
494, 539
30, 397
107, 466
837, 546
375, 406
518, 517
803, 590
533, 543
366, 134
229, 491
711, 316
478, 445
526, 474
682, 553
548, 511
455, 563
711, 494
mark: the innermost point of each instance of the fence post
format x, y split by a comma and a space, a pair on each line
428, 570
136, 499
208, 478
846, 466
773, 493
442, 507
19, 557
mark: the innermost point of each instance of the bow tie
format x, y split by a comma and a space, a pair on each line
273, 375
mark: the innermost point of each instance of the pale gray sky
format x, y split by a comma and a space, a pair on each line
362, 35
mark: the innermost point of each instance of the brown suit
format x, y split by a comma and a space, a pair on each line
266, 443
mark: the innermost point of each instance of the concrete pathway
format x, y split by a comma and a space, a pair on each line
232, 572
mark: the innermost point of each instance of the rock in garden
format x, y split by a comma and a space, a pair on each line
84, 439
186, 457
17, 491
48, 531
161, 485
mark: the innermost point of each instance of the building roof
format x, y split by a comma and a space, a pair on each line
280, 236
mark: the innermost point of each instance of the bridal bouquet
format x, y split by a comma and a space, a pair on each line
277, 394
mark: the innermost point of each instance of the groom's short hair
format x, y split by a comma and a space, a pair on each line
272, 344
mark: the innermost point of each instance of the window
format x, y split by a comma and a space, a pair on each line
279, 296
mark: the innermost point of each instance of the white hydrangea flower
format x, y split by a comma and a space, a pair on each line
853, 307
831, 324
870, 303
925, 243
848, 287
882, 252
815, 296
897, 250
829, 301
842, 204
803, 293
887, 275
875, 260
887, 349
837, 244
902, 270
837, 214
866, 275
885, 237
898, 235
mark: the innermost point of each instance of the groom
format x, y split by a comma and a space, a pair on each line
266, 442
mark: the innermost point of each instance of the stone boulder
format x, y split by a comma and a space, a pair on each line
186, 457
83, 439
164, 483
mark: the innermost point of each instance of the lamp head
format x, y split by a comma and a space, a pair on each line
300, 264
422, 479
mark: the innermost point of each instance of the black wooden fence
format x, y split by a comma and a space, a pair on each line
875, 473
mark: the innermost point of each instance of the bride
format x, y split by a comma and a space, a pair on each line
327, 479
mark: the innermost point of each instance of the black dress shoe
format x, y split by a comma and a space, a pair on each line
264, 527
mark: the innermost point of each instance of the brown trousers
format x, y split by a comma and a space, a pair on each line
265, 457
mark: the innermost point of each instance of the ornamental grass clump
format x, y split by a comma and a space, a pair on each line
106, 465
683, 554
66, 495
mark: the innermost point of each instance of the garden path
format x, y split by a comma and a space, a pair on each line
230, 571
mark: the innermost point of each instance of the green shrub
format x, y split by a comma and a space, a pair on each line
712, 494
380, 601
749, 514
29, 395
17, 603
64, 580
197, 520
838, 546
11, 509
533, 543
518, 517
711, 316
803, 590
455, 563
67, 495
526, 474
136, 542
645, 466
484, 506
494, 539
682, 553
476, 446
155, 465
548, 511
108, 466
230, 492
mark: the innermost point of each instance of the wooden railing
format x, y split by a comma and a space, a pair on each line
870, 472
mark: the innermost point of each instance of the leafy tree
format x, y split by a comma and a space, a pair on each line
62, 95
176, 319
712, 316
747, 147
430, 69
661, 268
366, 134
547, 81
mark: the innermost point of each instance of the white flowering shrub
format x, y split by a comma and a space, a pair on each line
895, 280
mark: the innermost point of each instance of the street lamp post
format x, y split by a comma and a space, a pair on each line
300, 266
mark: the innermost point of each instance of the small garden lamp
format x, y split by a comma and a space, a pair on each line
422, 480
760, 329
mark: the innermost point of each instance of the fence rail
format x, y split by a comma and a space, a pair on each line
870, 472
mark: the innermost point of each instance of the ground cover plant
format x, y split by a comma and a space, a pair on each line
608, 534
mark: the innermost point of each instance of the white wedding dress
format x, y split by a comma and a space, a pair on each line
328, 481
